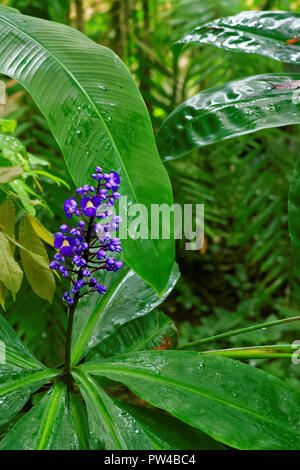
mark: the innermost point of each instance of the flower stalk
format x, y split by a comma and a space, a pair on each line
85, 249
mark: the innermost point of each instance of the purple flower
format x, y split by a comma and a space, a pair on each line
90, 205
58, 239
86, 273
67, 298
70, 206
76, 260
112, 180
101, 289
64, 228
64, 244
53, 265
89, 242
101, 254
77, 286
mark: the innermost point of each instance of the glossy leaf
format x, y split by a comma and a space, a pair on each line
10, 173
167, 432
16, 386
118, 425
11, 274
225, 111
151, 331
110, 426
127, 297
254, 32
50, 425
220, 396
40, 276
16, 354
97, 116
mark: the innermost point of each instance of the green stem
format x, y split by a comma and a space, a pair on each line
67, 365
210, 339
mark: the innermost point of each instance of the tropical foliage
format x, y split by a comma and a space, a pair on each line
113, 371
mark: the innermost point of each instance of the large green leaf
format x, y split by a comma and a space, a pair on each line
127, 297
53, 423
97, 116
232, 402
225, 111
254, 32
16, 386
16, 354
148, 332
167, 432
118, 425
110, 426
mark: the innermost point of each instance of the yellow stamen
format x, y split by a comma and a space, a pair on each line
89, 204
66, 243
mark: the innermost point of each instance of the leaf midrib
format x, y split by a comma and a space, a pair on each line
49, 415
146, 375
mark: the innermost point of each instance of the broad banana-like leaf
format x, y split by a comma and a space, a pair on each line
269, 33
220, 396
97, 116
117, 425
230, 110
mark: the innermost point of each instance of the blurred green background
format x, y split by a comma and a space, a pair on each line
244, 274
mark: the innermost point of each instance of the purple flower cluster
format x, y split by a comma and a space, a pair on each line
86, 247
